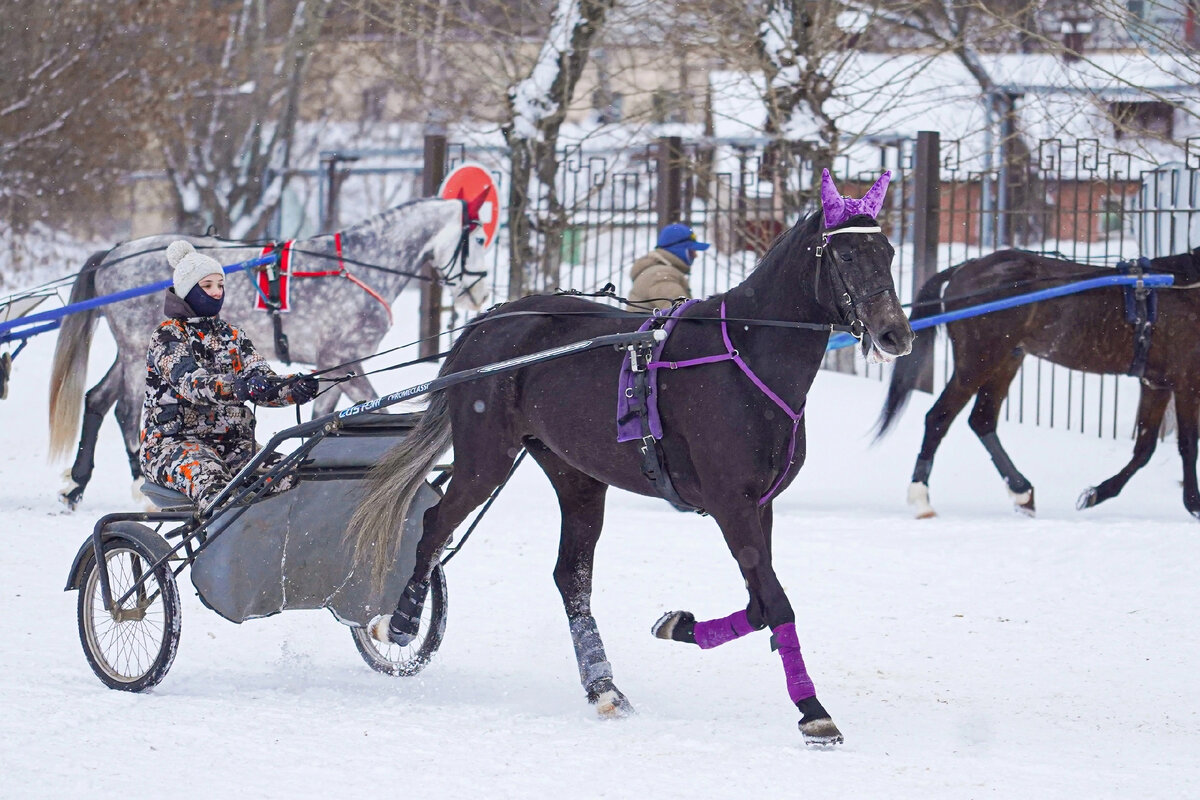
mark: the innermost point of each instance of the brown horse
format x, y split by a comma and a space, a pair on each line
1086, 331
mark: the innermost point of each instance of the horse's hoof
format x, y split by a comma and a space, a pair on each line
678, 626
379, 628
382, 631
1087, 499
70, 497
816, 726
820, 733
1023, 502
608, 700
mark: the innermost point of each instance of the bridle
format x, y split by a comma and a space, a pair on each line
847, 305
469, 278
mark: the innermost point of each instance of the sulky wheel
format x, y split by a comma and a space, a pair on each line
392, 659
131, 647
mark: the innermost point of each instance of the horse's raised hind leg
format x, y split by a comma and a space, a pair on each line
1151, 406
1187, 407
98, 400
581, 503
943, 412
748, 536
983, 421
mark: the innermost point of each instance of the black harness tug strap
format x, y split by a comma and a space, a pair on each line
1141, 311
654, 460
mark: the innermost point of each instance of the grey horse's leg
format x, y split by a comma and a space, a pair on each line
98, 400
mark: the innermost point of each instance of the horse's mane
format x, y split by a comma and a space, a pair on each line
1185, 266
807, 227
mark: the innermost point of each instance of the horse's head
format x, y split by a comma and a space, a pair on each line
856, 260
459, 253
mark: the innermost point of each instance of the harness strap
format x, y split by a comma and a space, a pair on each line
275, 301
731, 354
1141, 311
342, 272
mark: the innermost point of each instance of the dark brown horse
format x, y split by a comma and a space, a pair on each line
733, 433
1086, 331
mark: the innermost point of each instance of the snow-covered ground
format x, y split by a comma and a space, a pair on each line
979, 654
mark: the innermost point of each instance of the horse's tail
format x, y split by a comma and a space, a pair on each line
68, 374
394, 481
908, 370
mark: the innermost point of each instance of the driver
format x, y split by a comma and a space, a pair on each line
196, 431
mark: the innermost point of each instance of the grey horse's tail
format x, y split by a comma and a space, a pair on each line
393, 483
69, 371
908, 370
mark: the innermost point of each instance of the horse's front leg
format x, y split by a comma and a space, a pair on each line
1187, 409
747, 530
1151, 406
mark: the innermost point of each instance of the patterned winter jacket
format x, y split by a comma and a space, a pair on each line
190, 370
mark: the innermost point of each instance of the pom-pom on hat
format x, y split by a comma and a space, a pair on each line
189, 266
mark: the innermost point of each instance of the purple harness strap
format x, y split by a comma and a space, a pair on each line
730, 354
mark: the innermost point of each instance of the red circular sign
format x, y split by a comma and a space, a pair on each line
472, 183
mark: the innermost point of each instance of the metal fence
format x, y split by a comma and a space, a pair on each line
1074, 200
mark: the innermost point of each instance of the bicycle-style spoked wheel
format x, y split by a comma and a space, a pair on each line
130, 647
409, 659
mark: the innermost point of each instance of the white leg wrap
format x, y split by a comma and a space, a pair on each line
918, 498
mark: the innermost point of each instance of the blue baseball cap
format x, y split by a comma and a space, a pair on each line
678, 238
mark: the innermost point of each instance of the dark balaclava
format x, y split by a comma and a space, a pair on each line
202, 304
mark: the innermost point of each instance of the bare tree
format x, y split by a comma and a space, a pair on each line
226, 120
537, 108
66, 106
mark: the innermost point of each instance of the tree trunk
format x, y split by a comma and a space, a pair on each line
537, 107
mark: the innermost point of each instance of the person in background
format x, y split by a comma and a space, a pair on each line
661, 276
200, 370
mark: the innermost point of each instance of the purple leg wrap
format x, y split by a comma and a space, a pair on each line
799, 685
719, 631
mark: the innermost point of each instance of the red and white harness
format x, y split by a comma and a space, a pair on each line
282, 272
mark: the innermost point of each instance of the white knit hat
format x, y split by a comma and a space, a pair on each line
189, 266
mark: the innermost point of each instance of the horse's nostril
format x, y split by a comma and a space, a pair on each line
895, 342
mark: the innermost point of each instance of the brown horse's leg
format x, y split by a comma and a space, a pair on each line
937, 422
983, 420
747, 531
1151, 406
1187, 406
581, 502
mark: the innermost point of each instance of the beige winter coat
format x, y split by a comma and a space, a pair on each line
658, 278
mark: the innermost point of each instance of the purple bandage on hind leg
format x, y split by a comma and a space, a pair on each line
799, 684
713, 632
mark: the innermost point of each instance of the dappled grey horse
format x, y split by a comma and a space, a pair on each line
336, 315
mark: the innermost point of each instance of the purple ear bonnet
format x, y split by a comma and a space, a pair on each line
838, 209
